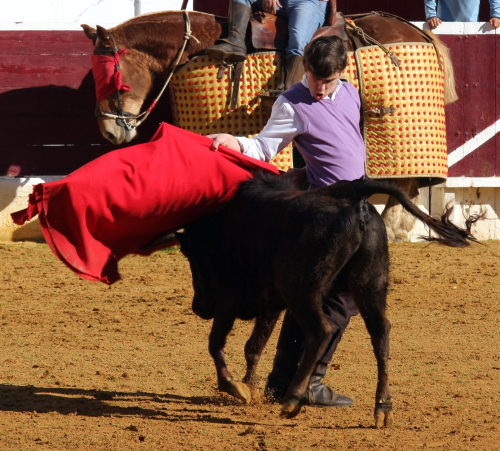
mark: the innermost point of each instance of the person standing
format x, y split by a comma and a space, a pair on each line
322, 115
304, 18
439, 11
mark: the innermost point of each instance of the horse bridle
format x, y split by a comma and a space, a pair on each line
127, 120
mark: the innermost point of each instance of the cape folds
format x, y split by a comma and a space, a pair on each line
121, 201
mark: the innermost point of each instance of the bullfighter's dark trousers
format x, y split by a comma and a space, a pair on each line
339, 308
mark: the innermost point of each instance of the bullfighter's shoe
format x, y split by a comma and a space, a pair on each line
318, 393
233, 48
321, 395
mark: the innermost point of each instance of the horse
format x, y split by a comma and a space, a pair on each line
155, 44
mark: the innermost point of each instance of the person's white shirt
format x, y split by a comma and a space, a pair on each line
281, 128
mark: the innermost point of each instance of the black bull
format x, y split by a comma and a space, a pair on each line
275, 247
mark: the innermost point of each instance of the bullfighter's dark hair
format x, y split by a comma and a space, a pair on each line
325, 55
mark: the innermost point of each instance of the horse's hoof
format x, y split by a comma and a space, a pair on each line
291, 409
237, 389
384, 416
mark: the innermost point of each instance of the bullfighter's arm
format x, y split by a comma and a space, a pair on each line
281, 128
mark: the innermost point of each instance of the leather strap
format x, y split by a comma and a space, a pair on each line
236, 84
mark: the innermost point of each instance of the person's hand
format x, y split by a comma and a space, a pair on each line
495, 22
434, 22
226, 140
270, 6
297, 176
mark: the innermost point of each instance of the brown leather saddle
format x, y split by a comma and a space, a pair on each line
269, 32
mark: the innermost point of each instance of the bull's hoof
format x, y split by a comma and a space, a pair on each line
384, 416
256, 393
291, 408
237, 389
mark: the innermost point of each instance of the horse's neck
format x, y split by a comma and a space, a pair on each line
160, 41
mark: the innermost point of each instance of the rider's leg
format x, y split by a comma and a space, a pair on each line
233, 48
304, 18
339, 309
294, 70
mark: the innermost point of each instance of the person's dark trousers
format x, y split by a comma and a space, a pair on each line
339, 308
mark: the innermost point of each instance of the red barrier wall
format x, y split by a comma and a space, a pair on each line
47, 99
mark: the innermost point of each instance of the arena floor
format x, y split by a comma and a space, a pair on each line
126, 367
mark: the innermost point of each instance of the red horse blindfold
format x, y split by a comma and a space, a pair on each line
108, 75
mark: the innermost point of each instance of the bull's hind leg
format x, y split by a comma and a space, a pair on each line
222, 325
379, 327
369, 282
263, 328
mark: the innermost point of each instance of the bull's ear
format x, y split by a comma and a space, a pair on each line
102, 33
90, 32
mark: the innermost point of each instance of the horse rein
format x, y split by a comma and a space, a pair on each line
123, 118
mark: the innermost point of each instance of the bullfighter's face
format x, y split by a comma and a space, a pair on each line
322, 87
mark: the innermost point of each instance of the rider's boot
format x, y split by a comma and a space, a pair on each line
294, 70
233, 48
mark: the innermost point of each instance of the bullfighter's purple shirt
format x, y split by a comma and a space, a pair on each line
332, 145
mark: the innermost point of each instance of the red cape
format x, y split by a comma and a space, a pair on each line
121, 201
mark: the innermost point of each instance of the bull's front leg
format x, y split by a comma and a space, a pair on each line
222, 325
263, 328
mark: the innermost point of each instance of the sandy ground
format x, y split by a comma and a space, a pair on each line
126, 367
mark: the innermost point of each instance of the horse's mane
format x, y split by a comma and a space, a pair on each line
158, 18
158, 33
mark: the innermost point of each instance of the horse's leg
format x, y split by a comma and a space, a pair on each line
398, 221
263, 328
222, 325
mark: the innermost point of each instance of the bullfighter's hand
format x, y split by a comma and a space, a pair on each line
434, 22
271, 6
297, 176
226, 140
495, 22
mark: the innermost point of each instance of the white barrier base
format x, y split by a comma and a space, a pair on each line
466, 198
14, 194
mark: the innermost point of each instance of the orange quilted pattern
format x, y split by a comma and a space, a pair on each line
202, 103
410, 142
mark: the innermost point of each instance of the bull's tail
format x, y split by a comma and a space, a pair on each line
447, 232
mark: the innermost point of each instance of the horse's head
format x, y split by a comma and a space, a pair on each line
123, 81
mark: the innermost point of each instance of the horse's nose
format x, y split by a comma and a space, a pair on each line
111, 137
